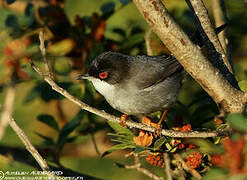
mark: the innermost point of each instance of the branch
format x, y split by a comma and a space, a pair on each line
219, 12
187, 168
7, 110
137, 166
167, 166
28, 144
109, 117
129, 123
190, 56
205, 25
148, 42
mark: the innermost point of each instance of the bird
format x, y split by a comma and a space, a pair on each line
141, 84
136, 85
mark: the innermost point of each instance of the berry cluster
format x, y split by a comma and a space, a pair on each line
194, 160
156, 160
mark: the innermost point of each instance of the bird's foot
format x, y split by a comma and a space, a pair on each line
123, 119
157, 126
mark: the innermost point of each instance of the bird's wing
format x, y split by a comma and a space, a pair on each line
147, 71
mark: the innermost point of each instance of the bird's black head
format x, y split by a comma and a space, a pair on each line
111, 67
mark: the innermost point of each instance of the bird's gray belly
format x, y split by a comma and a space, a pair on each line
144, 101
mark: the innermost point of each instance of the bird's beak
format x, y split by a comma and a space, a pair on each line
83, 76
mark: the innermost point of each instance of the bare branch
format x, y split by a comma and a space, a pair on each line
43, 52
138, 167
201, 13
219, 12
187, 168
28, 144
7, 110
167, 166
190, 56
148, 42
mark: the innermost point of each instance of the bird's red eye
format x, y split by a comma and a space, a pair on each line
103, 75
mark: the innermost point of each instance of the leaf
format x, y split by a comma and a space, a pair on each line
12, 21
62, 47
243, 85
237, 121
158, 143
10, 1
215, 174
47, 140
117, 147
62, 66
31, 95
132, 41
124, 2
119, 129
139, 149
238, 177
29, 11
68, 128
48, 120
107, 7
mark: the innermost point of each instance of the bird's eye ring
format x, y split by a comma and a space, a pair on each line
103, 75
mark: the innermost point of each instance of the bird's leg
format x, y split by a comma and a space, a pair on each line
159, 124
123, 119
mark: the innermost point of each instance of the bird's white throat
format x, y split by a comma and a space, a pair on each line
103, 88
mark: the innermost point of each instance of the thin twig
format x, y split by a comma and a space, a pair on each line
187, 168
95, 144
148, 42
167, 166
43, 52
28, 144
7, 110
137, 166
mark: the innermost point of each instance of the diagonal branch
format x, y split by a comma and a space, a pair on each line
216, 53
7, 110
204, 24
220, 17
190, 56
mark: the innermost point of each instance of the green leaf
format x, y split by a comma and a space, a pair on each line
139, 149
118, 147
48, 120
12, 21
68, 128
62, 47
238, 177
10, 1
158, 143
47, 140
237, 121
124, 2
107, 7
215, 174
243, 85
132, 41
119, 129
62, 66
31, 95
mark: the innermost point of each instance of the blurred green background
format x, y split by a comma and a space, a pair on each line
76, 32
